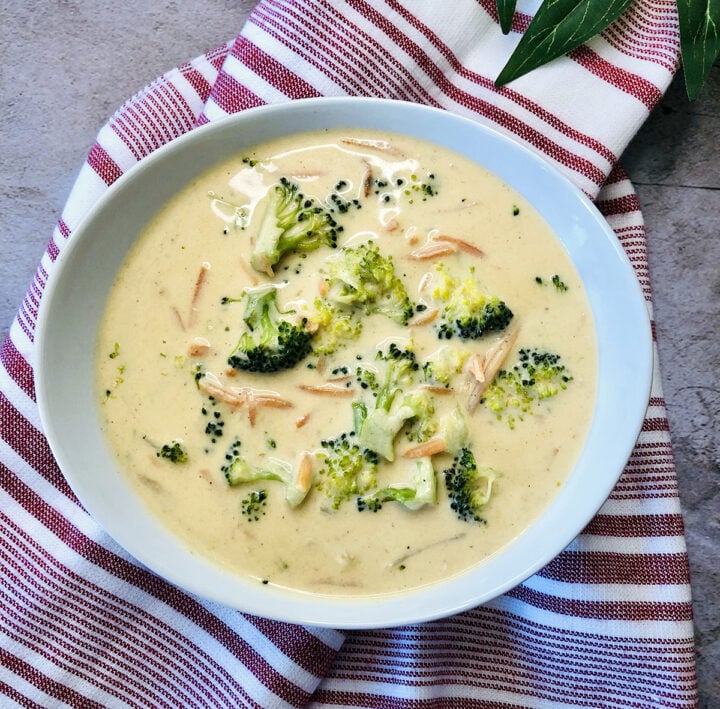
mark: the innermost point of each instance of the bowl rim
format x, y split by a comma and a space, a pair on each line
459, 593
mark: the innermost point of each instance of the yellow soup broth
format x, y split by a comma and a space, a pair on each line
176, 314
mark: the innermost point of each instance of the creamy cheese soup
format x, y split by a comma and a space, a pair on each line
185, 423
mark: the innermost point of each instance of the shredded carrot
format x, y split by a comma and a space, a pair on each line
476, 367
423, 450
306, 176
252, 412
432, 250
247, 270
199, 281
412, 238
461, 244
255, 398
437, 389
425, 282
321, 364
381, 145
425, 317
272, 401
221, 393
304, 471
323, 287
243, 396
484, 368
329, 389
301, 420
496, 355
198, 347
367, 182
178, 317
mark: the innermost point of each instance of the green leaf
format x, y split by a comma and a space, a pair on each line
699, 40
558, 27
506, 12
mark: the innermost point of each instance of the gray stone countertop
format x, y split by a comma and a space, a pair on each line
65, 69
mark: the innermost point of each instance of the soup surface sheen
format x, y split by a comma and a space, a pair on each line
175, 314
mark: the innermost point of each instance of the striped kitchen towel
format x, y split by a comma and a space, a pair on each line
608, 623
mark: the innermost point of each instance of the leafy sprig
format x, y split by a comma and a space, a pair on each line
559, 26
699, 41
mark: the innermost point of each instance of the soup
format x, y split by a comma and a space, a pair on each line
426, 395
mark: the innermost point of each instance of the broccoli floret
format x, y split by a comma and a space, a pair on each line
271, 343
422, 424
336, 327
444, 364
251, 506
394, 369
348, 469
296, 482
469, 487
454, 431
470, 324
559, 284
421, 491
378, 425
465, 310
292, 222
174, 452
362, 278
538, 375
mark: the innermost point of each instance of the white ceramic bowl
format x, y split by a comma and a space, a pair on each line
74, 300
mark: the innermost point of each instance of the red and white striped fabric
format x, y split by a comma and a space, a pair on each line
606, 624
